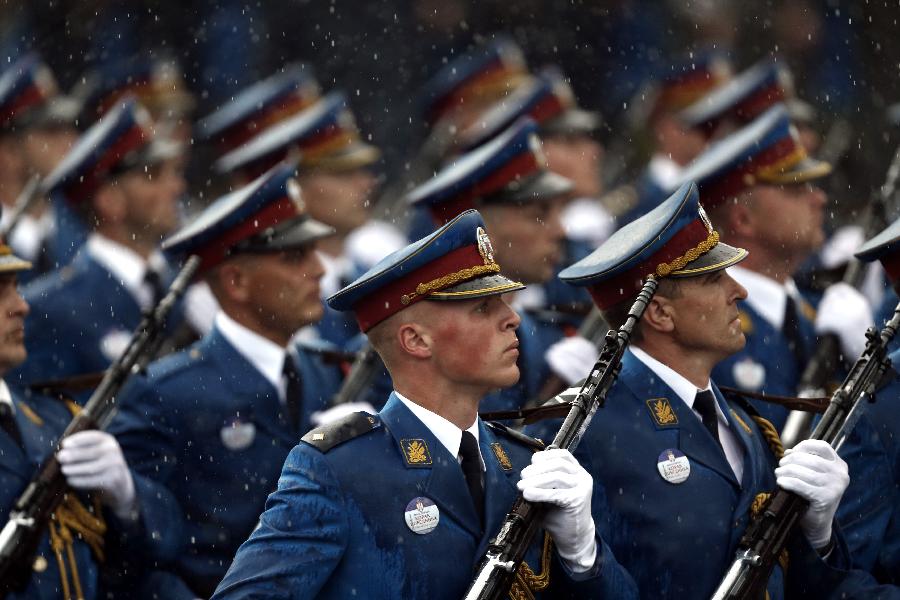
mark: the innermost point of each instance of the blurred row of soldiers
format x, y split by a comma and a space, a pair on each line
255, 358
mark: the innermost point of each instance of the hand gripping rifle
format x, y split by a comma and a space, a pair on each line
21, 535
769, 532
818, 370
506, 551
366, 367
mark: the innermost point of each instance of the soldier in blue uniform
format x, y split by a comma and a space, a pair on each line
507, 179
126, 187
682, 467
759, 186
871, 521
69, 558
402, 504
674, 144
36, 132
212, 424
334, 163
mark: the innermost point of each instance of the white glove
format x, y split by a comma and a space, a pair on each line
814, 471
555, 477
93, 460
845, 312
571, 358
329, 415
200, 307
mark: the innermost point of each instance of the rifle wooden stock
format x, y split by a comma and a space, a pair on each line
506, 551
43, 494
768, 533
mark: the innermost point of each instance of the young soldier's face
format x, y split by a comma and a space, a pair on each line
475, 343
705, 315
13, 309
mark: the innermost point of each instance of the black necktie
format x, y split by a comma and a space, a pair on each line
293, 393
705, 404
791, 330
8, 422
153, 279
471, 467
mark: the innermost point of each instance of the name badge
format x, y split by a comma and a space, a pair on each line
421, 515
673, 465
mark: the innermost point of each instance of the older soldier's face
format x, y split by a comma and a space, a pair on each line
705, 315
527, 238
475, 343
284, 287
13, 310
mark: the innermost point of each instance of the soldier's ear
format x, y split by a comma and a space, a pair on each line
658, 316
233, 282
414, 340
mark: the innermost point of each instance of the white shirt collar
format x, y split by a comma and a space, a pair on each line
664, 170
765, 295
6, 396
126, 265
264, 354
683, 388
448, 434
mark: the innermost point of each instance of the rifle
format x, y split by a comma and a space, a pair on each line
504, 554
768, 533
365, 369
43, 494
25, 200
820, 367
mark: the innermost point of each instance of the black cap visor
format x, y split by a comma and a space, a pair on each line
479, 287
296, 233
720, 257
544, 185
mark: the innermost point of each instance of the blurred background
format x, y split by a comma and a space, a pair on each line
845, 56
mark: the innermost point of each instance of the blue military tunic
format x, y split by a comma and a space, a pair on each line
871, 521
81, 317
208, 427
40, 421
336, 527
677, 539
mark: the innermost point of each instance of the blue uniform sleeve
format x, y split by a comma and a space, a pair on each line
301, 538
146, 437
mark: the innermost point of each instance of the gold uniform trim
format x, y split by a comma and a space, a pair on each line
662, 412
715, 267
497, 288
415, 452
448, 280
663, 269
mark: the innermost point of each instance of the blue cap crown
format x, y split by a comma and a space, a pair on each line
456, 262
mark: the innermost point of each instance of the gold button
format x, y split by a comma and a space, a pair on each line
40, 564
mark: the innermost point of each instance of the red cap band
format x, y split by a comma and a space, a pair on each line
386, 301
625, 285
217, 249
518, 168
